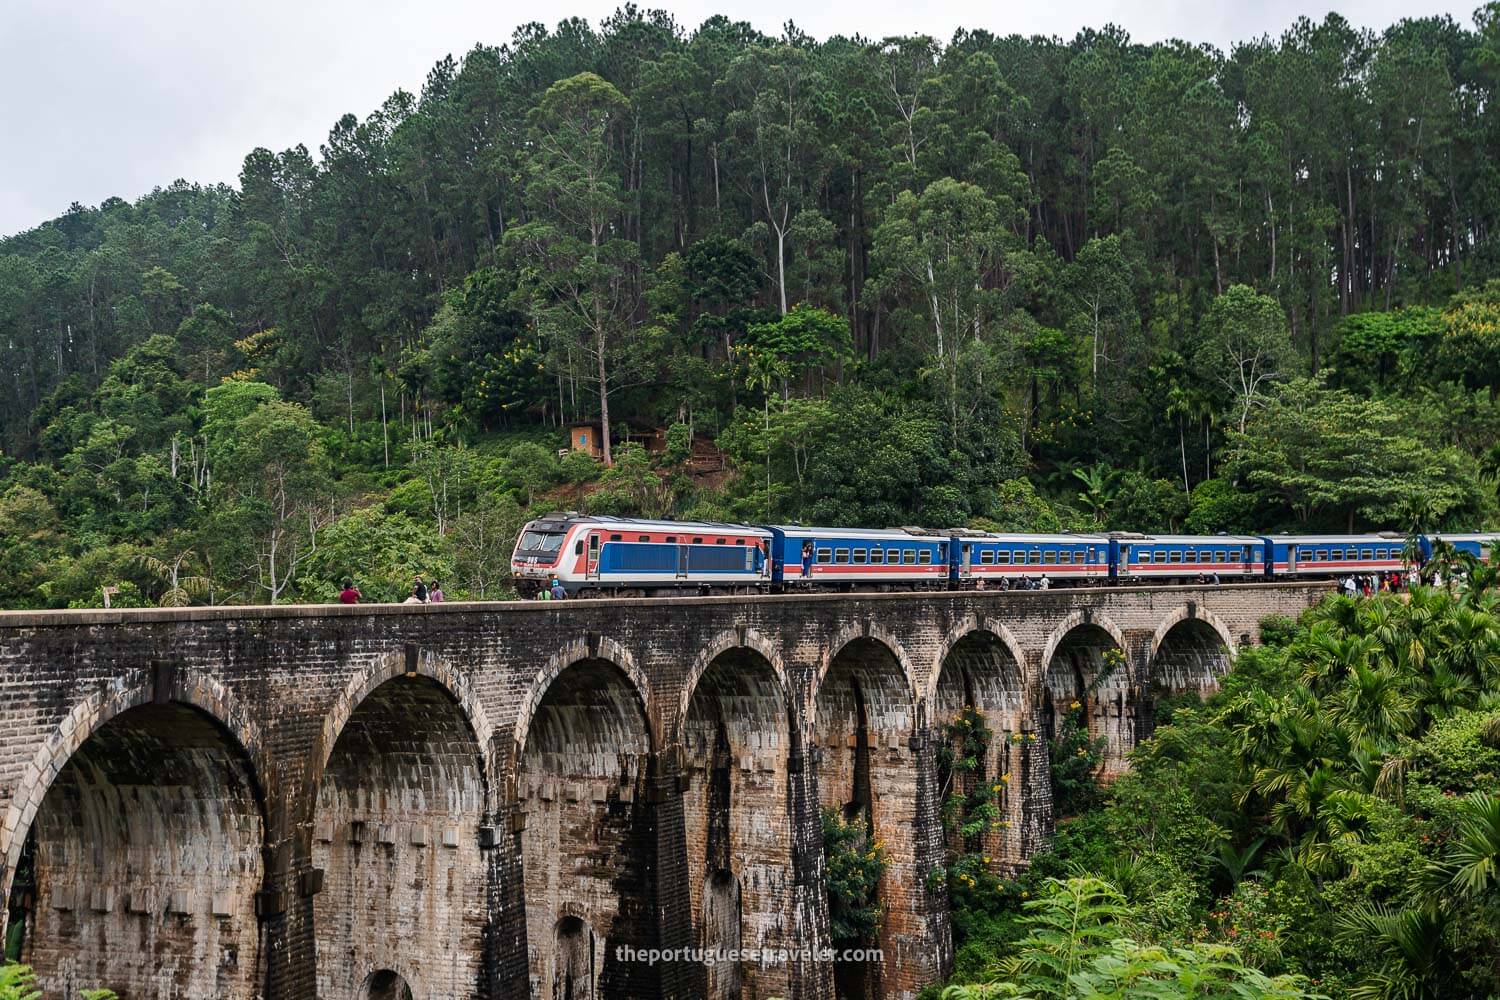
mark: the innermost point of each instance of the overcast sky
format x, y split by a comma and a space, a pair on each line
115, 97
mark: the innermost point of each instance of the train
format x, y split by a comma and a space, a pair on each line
596, 555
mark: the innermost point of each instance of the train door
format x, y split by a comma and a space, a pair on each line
591, 567
682, 562
966, 562
1291, 558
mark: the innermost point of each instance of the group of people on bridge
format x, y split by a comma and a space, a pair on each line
421, 592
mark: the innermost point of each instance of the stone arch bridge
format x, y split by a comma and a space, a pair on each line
502, 800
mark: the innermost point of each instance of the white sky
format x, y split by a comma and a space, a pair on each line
115, 97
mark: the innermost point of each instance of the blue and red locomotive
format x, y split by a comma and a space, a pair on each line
591, 555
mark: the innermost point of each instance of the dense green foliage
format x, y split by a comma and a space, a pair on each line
853, 864
1328, 823
893, 281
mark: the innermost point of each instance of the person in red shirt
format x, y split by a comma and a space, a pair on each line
350, 594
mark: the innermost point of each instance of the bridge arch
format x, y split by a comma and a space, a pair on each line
747, 639
143, 819
1192, 613
364, 683
736, 734
402, 789
585, 760
963, 632
867, 633
1190, 652
1086, 663
866, 713
980, 667
602, 649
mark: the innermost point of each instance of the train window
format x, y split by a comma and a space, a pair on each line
908, 556
877, 556
1065, 557
1321, 555
1034, 556
825, 555
671, 539
1367, 554
1206, 556
578, 547
1192, 555
841, 555
697, 539
1002, 556
925, 557
643, 538
1093, 555
720, 541
859, 557
1144, 557
1049, 557
615, 538
1175, 556
986, 557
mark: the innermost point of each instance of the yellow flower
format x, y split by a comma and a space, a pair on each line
1004, 779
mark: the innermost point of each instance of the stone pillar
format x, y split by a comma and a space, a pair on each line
811, 980
929, 900
506, 975
682, 979
1036, 793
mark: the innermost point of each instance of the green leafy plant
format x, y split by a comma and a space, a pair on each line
853, 864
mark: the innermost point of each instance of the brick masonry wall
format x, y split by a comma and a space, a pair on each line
285, 685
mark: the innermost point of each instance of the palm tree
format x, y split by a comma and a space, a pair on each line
181, 588
1470, 866
1415, 963
1097, 493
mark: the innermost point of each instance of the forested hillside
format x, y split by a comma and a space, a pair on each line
1014, 282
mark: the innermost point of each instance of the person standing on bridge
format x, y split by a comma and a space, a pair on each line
435, 593
419, 589
350, 594
558, 593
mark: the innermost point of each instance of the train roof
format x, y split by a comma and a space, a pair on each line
646, 524
1382, 537
887, 533
1029, 538
1194, 539
1468, 536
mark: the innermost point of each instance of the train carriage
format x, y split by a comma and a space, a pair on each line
805, 556
992, 558
1168, 557
1302, 556
597, 553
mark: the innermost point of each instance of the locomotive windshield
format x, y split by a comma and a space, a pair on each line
541, 541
